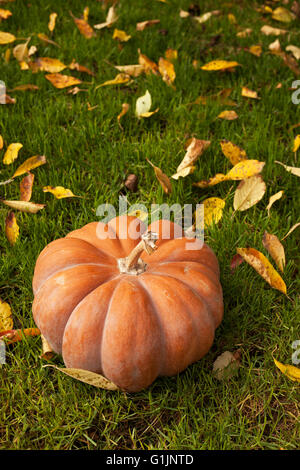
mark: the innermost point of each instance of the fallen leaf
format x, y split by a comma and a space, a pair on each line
11, 153
6, 38
12, 336
275, 46
235, 262
25, 87
183, 14
225, 366
58, 191
292, 372
20, 52
47, 64
11, 228
291, 230
87, 377
296, 143
228, 115
283, 15
206, 16
84, 28
291, 169
263, 266
143, 105
247, 93
43, 37
118, 80
167, 71
233, 152
272, 199
110, 19
121, 35
47, 351
269, 30
220, 65
62, 81
248, 193
242, 170
162, 178
132, 70
7, 99
52, 21
294, 50
125, 108
75, 90
171, 54
26, 187
148, 64
131, 183
30, 164
194, 150
80, 68
243, 34
6, 320
24, 206
275, 249
4, 14
86, 13
145, 24
1, 142
256, 50
213, 210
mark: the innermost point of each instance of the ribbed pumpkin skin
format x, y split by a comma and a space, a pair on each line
129, 328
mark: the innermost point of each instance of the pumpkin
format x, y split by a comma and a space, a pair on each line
128, 303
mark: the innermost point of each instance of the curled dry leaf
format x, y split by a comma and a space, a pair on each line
80, 68
243, 34
6, 320
226, 365
47, 351
43, 37
263, 267
167, 71
213, 210
249, 192
52, 21
131, 183
247, 93
62, 81
26, 187
275, 46
118, 80
25, 87
87, 377
30, 164
4, 14
228, 115
171, 54
291, 230
220, 65
145, 24
111, 18
194, 150
121, 35
162, 178
242, 170
1, 142
292, 372
272, 199
269, 30
12, 229
275, 249
255, 50
84, 28
233, 152
6, 38
283, 15
125, 108
11, 153
235, 262
148, 64
21, 52
294, 50
143, 105
12, 336
59, 191
24, 206
291, 169
132, 70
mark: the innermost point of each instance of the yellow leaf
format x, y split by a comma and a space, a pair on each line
269, 30
145, 24
263, 266
87, 377
132, 70
30, 164
272, 199
213, 210
125, 108
292, 372
243, 34
4, 14
1, 142
291, 169
296, 143
24, 206
86, 13
242, 170
194, 150
256, 50
248, 193
143, 105
6, 38
220, 65
85, 29
118, 80
228, 115
121, 35
247, 93
52, 21
110, 19
233, 152
59, 192
11, 228
20, 51
275, 249
26, 187
171, 54
148, 64
162, 178
283, 15
47, 351
11, 153
167, 71
44, 38
205, 17
291, 230
294, 50
47, 64
62, 81
6, 321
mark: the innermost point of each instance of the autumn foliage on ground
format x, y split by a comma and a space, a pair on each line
155, 102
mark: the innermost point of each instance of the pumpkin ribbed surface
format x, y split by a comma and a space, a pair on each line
129, 328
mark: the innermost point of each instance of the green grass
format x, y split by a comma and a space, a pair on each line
87, 152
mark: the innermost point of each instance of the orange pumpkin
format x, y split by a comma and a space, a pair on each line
130, 316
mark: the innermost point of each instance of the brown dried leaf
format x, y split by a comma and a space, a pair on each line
11, 228
62, 81
87, 377
162, 178
26, 187
145, 24
225, 366
167, 71
194, 150
148, 64
275, 249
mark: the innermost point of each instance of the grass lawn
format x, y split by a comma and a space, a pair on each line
87, 152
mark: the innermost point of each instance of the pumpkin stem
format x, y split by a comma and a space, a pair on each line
132, 264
